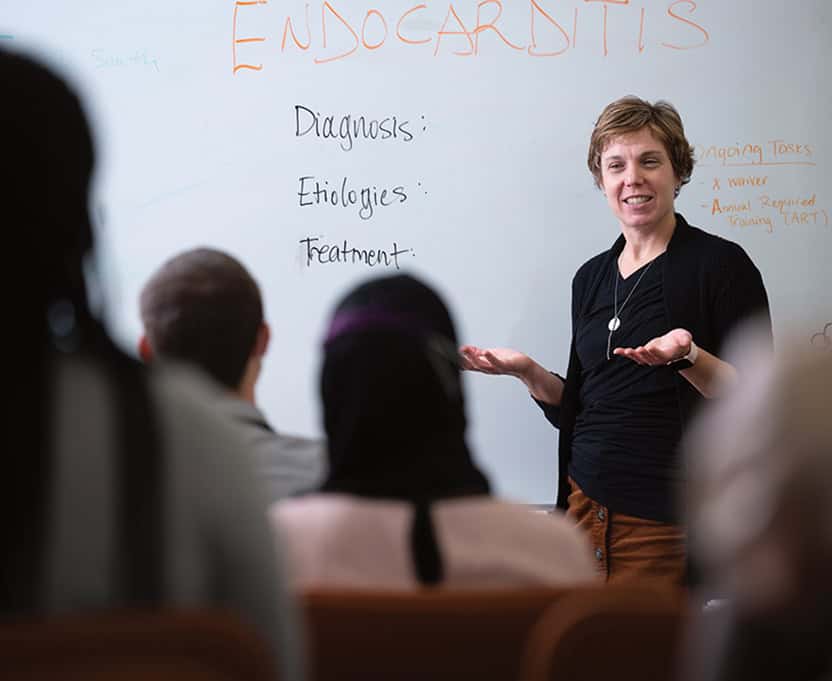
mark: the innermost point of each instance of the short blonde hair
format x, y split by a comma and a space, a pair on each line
631, 114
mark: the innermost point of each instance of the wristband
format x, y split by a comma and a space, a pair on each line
688, 360
693, 353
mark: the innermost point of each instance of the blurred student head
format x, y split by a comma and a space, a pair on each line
761, 510
203, 306
47, 163
761, 464
392, 394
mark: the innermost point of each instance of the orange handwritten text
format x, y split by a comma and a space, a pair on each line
463, 32
772, 153
238, 41
334, 12
799, 210
750, 181
748, 221
482, 27
466, 28
691, 7
768, 209
373, 46
537, 9
289, 28
718, 208
399, 26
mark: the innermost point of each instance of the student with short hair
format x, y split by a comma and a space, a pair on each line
203, 307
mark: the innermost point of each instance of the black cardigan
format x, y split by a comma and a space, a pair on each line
710, 286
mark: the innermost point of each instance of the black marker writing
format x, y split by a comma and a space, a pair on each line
347, 128
325, 254
314, 192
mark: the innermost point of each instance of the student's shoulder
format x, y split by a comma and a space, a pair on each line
300, 445
511, 515
183, 391
543, 537
340, 519
185, 406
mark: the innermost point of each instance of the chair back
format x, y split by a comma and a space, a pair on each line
626, 634
431, 634
132, 646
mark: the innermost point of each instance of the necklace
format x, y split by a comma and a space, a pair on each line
615, 323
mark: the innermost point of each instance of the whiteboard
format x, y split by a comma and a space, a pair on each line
463, 127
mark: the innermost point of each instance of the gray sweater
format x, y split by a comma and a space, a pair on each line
218, 550
286, 464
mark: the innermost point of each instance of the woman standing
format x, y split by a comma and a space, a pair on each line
649, 319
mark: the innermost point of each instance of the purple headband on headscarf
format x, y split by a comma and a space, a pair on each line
369, 318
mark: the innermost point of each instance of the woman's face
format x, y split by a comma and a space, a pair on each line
639, 181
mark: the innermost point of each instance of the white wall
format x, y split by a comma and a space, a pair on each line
500, 209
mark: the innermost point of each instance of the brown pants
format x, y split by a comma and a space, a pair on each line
627, 548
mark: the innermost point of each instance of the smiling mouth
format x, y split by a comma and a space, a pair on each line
637, 200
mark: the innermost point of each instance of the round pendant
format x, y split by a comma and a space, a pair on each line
614, 323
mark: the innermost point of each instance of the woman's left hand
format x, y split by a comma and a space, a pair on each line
672, 346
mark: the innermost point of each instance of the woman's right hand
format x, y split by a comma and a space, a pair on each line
499, 361
542, 385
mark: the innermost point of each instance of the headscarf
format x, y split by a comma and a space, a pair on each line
393, 406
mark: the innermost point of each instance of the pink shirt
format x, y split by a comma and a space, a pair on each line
339, 540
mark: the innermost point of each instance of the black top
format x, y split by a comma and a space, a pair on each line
625, 440
710, 286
